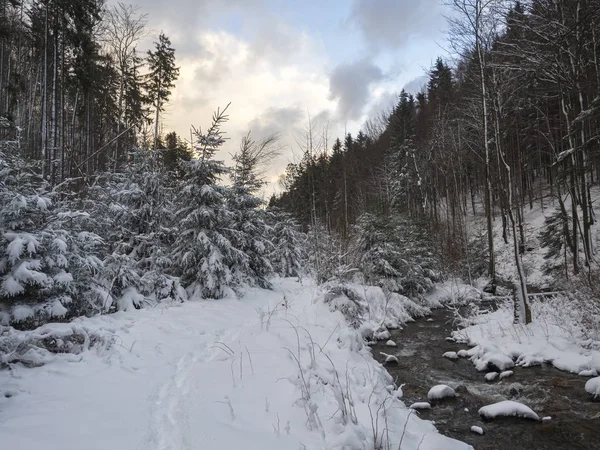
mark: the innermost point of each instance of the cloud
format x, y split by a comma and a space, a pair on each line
383, 103
350, 83
277, 120
416, 85
267, 94
388, 24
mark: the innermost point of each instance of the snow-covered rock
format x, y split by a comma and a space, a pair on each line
440, 391
463, 354
506, 374
491, 376
389, 358
430, 320
592, 386
508, 408
588, 373
420, 405
382, 335
450, 355
391, 343
546, 419
499, 361
476, 429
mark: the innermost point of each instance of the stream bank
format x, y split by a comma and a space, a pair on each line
575, 420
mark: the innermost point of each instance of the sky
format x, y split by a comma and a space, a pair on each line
281, 62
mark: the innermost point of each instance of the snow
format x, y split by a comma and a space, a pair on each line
453, 292
555, 336
508, 408
588, 373
592, 386
22, 312
391, 343
476, 429
210, 375
440, 391
493, 359
420, 405
506, 374
491, 376
546, 419
450, 355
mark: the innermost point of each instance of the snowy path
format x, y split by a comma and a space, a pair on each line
213, 375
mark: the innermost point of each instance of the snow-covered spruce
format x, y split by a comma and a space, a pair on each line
507, 408
48, 255
288, 252
371, 308
395, 254
440, 392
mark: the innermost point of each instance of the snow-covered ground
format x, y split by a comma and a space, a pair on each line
273, 370
555, 336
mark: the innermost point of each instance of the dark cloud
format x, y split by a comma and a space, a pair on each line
349, 84
276, 120
389, 23
181, 20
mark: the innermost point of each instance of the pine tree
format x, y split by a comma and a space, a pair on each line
161, 77
134, 207
49, 259
204, 255
248, 230
288, 255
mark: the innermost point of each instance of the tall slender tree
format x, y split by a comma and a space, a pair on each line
161, 77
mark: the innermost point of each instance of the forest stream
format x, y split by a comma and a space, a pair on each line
575, 422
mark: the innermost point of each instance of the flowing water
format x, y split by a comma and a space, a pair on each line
575, 420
